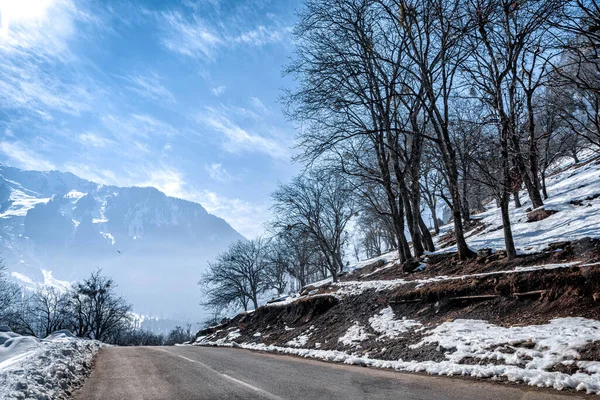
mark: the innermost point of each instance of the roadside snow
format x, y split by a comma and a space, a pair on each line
301, 339
388, 327
520, 354
298, 341
50, 368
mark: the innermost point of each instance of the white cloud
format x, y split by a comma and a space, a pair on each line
192, 38
262, 35
137, 126
169, 181
236, 139
23, 157
150, 86
217, 172
93, 140
198, 38
42, 26
259, 106
219, 90
34, 44
245, 217
23, 84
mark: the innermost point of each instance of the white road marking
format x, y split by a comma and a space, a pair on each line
231, 378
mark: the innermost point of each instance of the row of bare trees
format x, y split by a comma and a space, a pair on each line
420, 101
307, 244
410, 107
90, 308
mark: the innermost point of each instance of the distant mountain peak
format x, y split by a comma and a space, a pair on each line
57, 221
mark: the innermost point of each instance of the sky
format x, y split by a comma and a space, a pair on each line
179, 95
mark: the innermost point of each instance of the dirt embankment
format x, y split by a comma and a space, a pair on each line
507, 299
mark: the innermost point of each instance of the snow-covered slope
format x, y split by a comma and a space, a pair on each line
574, 194
57, 227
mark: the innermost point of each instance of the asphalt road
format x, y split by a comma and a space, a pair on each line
182, 373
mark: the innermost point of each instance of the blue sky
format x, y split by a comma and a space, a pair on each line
180, 95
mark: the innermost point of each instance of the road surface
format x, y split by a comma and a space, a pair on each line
183, 373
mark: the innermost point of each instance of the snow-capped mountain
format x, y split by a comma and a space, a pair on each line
155, 246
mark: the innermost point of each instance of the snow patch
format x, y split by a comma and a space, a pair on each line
388, 327
354, 335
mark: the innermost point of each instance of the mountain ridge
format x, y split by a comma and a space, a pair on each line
56, 221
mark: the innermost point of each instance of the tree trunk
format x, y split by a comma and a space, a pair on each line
412, 222
532, 190
517, 200
436, 222
509, 243
426, 235
533, 150
465, 209
461, 244
544, 191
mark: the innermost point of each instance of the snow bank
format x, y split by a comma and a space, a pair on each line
43, 369
527, 354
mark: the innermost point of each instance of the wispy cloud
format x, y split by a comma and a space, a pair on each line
37, 67
98, 175
201, 38
263, 35
235, 139
150, 86
259, 106
24, 84
23, 157
218, 173
190, 37
219, 90
93, 140
43, 27
137, 125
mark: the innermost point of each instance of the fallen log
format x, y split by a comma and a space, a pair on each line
529, 294
482, 297
404, 301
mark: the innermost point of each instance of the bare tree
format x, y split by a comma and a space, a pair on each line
347, 63
504, 32
237, 276
433, 31
9, 297
99, 313
320, 204
44, 311
578, 30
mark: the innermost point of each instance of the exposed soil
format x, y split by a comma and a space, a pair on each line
538, 215
523, 298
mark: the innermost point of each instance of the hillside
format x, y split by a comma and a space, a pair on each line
56, 227
532, 320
